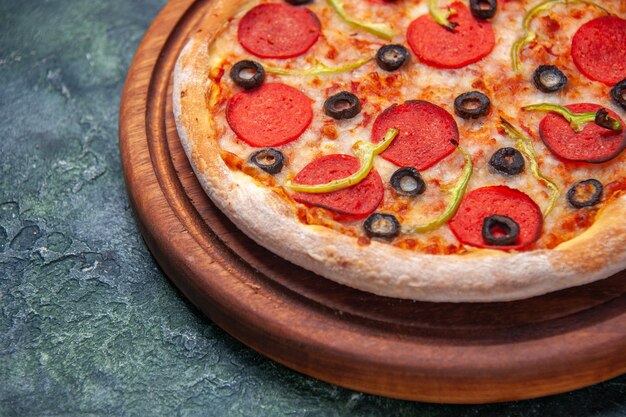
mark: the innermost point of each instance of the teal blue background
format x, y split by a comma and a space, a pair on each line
89, 325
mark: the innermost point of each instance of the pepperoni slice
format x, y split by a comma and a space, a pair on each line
483, 202
599, 49
439, 47
426, 132
593, 144
271, 115
278, 30
356, 202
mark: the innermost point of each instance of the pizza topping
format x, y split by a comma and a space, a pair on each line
549, 78
247, 74
599, 49
500, 230
257, 116
298, 2
408, 181
618, 93
391, 57
592, 144
384, 226
578, 120
456, 196
483, 203
603, 119
269, 160
365, 153
344, 105
525, 145
426, 132
585, 193
467, 42
472, 105
507, 161
441, 15
319, 69
382, 30
356, 201
278, 30
530, 35
483, 9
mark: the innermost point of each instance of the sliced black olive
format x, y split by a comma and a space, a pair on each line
472, 105
500, 230
483, 9
585, 193
269, 160
408, 181
298, 2
507, 161
618, 93
383, 226
247, 74
549, 78
391, 57
342, 105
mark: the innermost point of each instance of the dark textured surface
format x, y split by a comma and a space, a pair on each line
88, 323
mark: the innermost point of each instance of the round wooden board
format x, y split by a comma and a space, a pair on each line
456, 353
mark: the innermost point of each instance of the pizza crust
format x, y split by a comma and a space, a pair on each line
477, 276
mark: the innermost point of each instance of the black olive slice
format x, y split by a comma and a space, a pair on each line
472, 105
247, 74
507, 161
483, 9
383, 226
549, 79
500, 230
391, 57
585, 193
408, 181
269, 160
342, 105
618, 93
298, 2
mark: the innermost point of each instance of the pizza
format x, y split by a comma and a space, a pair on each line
453, 151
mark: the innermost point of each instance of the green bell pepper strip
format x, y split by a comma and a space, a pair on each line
382, 30
319, 69
441, 15
456, 196
576, 120
525, 145
530, 35
365, 151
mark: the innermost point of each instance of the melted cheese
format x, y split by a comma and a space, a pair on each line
340, 44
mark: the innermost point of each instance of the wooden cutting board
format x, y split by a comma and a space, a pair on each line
457, 353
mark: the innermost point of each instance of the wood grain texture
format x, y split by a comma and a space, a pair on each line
457, 353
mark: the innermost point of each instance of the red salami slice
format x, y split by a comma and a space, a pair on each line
599, 49
481, 203
425, 134
278, 30
271, 115
593, 144
439, 47
357, 202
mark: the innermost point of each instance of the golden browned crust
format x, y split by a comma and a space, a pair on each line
481, 275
